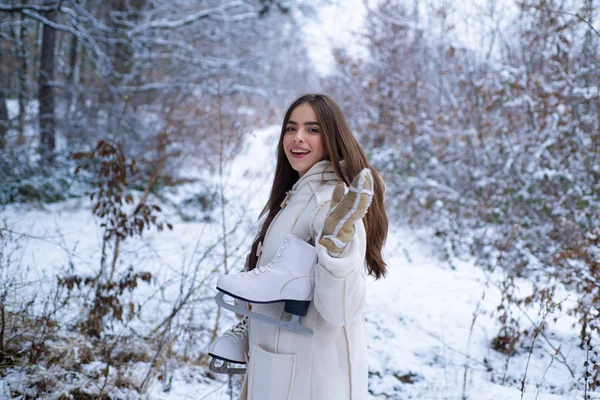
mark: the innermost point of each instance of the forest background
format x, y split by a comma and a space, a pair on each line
486, 129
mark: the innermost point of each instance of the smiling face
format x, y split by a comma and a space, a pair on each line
302, 141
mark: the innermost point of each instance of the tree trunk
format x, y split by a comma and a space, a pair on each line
73, 80
3, 116
22, 79
3, 110
46, 92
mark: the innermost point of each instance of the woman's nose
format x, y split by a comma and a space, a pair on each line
299, 136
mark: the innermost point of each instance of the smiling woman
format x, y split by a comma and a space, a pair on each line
302, 140
310, 259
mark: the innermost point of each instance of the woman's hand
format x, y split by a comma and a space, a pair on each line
345, 210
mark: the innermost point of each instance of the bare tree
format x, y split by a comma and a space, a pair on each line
47, 118
3, 111
20, 33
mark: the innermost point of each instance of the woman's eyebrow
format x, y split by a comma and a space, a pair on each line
290, 122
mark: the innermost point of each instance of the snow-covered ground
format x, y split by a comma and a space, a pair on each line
420, 321
429, 325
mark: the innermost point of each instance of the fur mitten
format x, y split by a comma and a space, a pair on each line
345, 210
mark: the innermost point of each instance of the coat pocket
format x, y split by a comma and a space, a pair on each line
271, 375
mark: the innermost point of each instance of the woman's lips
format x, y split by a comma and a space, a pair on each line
299, 155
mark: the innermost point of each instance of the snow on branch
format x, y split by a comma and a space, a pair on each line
23, 7
86, 38
203, 14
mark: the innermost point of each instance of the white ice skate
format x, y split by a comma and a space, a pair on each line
289, 277
230, 348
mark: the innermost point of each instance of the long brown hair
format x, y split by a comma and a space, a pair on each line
340, 144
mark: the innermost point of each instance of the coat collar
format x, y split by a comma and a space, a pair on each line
322, 171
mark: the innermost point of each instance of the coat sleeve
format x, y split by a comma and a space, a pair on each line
340, 282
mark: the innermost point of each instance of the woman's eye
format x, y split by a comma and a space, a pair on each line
289, 128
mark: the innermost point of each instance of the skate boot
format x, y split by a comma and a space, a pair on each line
230, 347
287, 278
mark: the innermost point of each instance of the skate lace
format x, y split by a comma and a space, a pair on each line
239, 330
261, 269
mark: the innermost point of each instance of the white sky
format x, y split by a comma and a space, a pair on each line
337, 21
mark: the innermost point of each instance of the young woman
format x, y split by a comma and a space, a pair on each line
318, 160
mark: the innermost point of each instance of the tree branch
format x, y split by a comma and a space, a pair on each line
22, 7
171, 24
580, 18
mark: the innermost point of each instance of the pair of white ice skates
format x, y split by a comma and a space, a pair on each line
288, 277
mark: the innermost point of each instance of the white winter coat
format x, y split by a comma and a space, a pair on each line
331, 364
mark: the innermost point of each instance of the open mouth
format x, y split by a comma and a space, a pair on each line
299, 153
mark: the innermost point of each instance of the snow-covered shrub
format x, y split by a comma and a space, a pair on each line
121, 217
28, 324
499, 159
24, 180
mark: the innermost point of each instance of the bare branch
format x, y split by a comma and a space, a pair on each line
171, 24
24, 7
582, 19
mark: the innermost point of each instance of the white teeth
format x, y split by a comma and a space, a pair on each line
300, 151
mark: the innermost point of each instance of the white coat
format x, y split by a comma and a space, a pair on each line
331, 364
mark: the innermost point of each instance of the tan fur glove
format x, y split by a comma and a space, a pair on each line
345, 210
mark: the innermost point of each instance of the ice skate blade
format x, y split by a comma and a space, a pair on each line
224, 368
292, 325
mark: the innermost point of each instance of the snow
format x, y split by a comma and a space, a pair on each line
587, 93
335, 24
419, 321
419, 317
430, 323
